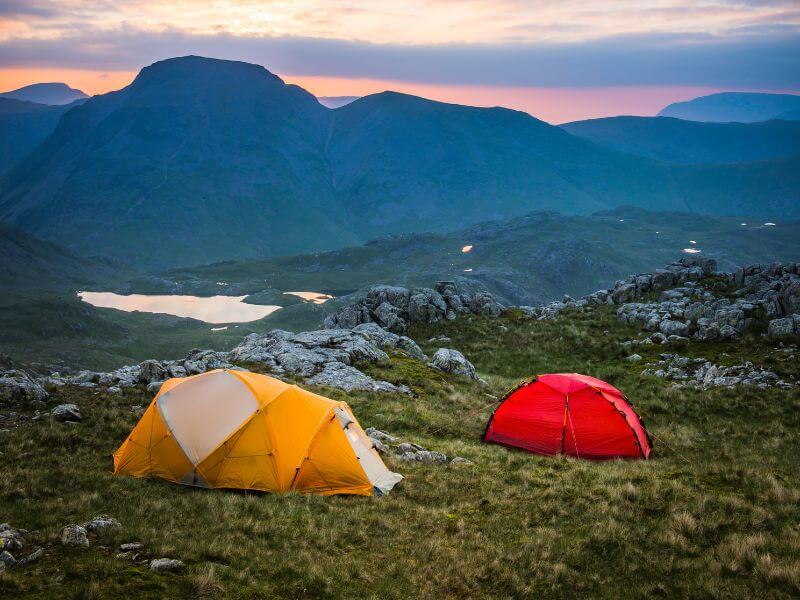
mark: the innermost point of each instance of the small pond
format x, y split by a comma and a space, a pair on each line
214, 309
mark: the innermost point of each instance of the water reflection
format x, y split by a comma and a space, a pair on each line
214, 309
315, 297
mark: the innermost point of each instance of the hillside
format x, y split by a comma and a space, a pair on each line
727, 107
23, 126
680, 141
27, 263
714, 511
202, 160
46, 93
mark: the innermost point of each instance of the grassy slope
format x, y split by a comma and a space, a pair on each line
713, 515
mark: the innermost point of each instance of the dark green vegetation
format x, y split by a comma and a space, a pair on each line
527, 260
740, 107
28, 263
200, 160
679, 141
713, 515
23, 126
46, 93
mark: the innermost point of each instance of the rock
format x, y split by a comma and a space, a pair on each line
634, 358
7, 558
166, 565
452, 361
66, 412
781, 327
115, 390
411, 348
483, 303
131, 547
347, 378
102, 523
74, 535
154, 386
381, 436
390, 317
152, 370
31, 558
457, 460
17, 386
10, 538
415, 453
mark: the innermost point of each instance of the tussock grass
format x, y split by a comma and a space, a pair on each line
713, 515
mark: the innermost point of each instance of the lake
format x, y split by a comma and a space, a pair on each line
213, 309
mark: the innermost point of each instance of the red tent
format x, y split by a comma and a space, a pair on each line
567, 413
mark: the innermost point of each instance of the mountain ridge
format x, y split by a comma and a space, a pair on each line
53, 94
201, 160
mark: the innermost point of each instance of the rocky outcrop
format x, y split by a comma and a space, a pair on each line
395, 308
699, 372
327, 356
74, 535
694, 301
16, 386
452, 361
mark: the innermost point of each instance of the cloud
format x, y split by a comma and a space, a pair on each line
757, 57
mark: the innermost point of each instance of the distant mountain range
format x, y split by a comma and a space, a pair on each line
201, 160
739, 107
679, 141
46, 93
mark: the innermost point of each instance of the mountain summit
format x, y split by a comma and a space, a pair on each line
46, 93
727, 107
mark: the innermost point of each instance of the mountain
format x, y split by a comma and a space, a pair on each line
23, 126
525, 260
792, 115
28, 263
679, 141
46, 93
726, 107
197, 158
200, 160
336, 101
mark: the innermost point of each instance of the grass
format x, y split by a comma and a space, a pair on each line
713, 515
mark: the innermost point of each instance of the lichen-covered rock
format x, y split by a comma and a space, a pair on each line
74, 535
18, 387
152, 370
415, 453
102, 523
452, 361
781, 327
347, 378
166, 565
64, 413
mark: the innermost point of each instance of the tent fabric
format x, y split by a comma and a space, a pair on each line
242, 430
572, 414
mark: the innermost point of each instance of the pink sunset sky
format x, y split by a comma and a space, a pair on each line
559, 60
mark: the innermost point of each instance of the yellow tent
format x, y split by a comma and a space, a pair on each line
236, 429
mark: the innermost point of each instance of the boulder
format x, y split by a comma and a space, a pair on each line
781, 327
19, 387
348, 378
74, 535
416, 453
452, 361
66, 413
166, 565
483, 303
152, 370
102, 523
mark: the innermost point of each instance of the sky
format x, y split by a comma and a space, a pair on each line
560, 60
